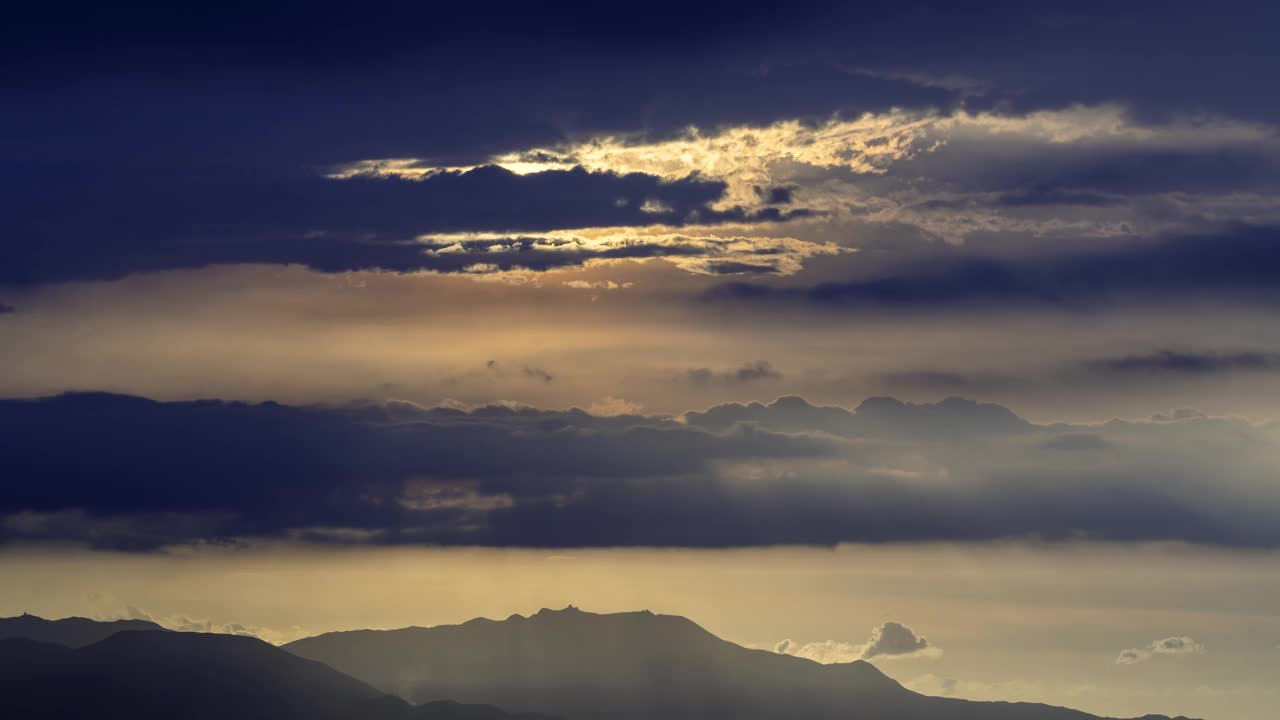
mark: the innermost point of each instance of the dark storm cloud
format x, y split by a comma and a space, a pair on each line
308, 84
78, 226
537, 374
4, 309
875, 417
780, 195
748, 373
1159, 59
125, 472
681, 64
730, 267
269, 467
1055, 196
1241, 263
143, 138
1187, 363
1071, 442
1091, 172
528, 372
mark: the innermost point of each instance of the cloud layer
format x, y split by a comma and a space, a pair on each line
124, 472
1241, 264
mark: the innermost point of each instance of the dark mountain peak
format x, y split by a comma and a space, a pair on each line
70, 632
570, 624
635, 621
569, 610
575, 613
147, 675
638, 665
572, 662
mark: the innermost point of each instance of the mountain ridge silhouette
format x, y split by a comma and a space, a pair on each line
155, 675
568, 663
71, 631
632, 666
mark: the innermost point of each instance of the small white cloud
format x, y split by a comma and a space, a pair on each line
652, 205
1130, 656
106, 607
826, 652
1178, 645
890, 640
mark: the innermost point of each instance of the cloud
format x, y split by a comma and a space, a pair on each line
537, 374
527, 371
745, 158
751, 372
106, 607
895, 640
700, 250
1132, 656
1188, 363
611, 406
931, 684
826, 652
1181, 645
1074, 442
990, 170
1178, 415
133, 474
1085, 171
1240, 264
877, 416
332, 473
1176, 646
740, 268
303, 152
888, 641
109, 225
998, 690
777, 195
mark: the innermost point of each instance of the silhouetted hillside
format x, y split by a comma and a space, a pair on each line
72, 632
146, 675
630, 666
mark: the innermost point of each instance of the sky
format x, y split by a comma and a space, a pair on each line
935, 334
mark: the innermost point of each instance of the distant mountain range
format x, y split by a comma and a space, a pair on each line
631, 666
570, 664
153, 675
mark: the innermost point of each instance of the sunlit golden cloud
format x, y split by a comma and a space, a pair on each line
702, 250
748, 159
945, 173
